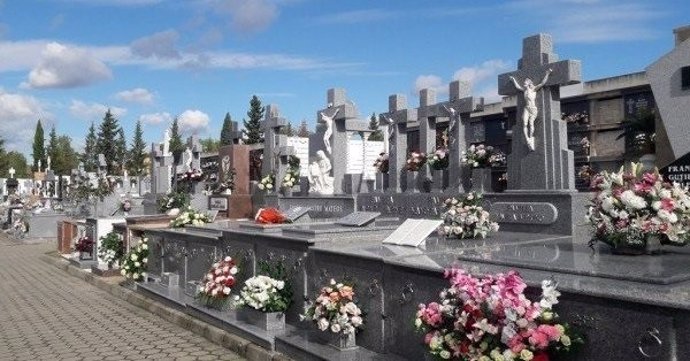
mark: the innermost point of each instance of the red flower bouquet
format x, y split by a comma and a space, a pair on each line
269, 216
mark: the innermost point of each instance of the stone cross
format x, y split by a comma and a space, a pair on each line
274, 140
396, 119
12, 172
550, 166
195, 146
235, 133
460, 105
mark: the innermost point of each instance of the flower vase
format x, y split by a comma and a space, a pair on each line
267, 321
227, 192
286, 191
481, 180
85, 256
381, 181
340, 341
411, 183
440, 179
652, 246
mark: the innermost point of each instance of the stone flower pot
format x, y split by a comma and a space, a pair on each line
411, 184
286, 191
481, 180
267, 321
440, 179
381, 182
340, 341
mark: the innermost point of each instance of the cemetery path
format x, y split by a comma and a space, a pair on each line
46, 314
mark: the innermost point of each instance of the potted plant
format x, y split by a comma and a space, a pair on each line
291, 177
336, 315
414, 163
111, 249
480, 158
491, 318
466, 218
265, 298
172, 202
84, 246
438, 163
635, 212
217, 284
267, 183
382, 165
135, 262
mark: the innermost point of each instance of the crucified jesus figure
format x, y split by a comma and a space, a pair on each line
529, 113
329, 129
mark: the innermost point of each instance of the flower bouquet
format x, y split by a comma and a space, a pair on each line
264, 300
415, 161
269, 216
190, 216
291, 178
125, 205
382, 163
134, 264
491, 319
173, 200
267, 183
334, 311
193, 175
84, 246
466, 218
216, 286
478, 156
111, 249
636, 212
439, 159
497, 158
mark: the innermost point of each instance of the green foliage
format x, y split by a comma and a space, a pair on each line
89, 157
107, 142
640, 131
252, 126
51, 150
278, 271
4, 161
288, 130
136, 164
303, 130
17, 161
172, 200
226, 132
82, 191
121, 151
65, 158
210, 144
111, 249
377, 135
176, 144
39, 151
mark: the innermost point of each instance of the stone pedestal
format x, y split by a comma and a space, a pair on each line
481, 180
382, 181
267, 321
411, 182
440, 180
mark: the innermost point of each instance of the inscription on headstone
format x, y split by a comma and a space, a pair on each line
524, 212
218, 203
678, 171
358, 219
296, 213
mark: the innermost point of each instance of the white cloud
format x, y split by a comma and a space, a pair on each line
156, 118
430, 81
193, 121
136, 95
66, 67
17, 112
94, 111
162, 45
479, 73
246, 16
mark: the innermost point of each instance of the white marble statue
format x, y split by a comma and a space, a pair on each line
166, 142
530, 111
48, 161
320, 181
453, 122
329, 129
40, 164
188, 157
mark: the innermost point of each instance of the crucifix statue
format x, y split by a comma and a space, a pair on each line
530, 110
329, 129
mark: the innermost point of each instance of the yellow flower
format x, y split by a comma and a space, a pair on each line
526, 355
560, 329
565, 340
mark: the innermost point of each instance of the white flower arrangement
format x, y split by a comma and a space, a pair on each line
334, 310
190, 216
466, 218
291, 178
267, 183
264, 294
135, 262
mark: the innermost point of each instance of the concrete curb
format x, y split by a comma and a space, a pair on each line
242, 347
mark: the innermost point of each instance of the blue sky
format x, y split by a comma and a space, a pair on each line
66, 61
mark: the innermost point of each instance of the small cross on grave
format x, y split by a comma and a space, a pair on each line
460, 105
396, 119
540, 159
12, 172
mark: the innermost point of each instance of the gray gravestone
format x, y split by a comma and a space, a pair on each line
396, 119
550, 166
274, 144
297, 214
358, 219
460, 105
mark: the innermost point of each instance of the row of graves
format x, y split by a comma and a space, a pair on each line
327, 257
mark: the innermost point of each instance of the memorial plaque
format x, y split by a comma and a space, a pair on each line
524, 212
477, 132
413, 232
218, 203
358, 219
295, 214
678, 171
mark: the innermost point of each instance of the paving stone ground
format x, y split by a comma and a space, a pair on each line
46, 314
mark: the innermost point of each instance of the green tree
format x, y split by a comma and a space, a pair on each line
376, 135
39, 150
65, 158
137, 153
17, 161
107, 141
176, 144
121, 150
210, 144
89, 155
4, 162
303, 130
252, 126
226, 132
52, 150
288, 130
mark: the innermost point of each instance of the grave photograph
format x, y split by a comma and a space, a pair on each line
220, 180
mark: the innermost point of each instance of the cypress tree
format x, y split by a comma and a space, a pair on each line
376, 135
303, 130
176, 144
226, 132
88, 158
107, 142
121, 148
52, 147
252, 126
39, 150
137, 153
